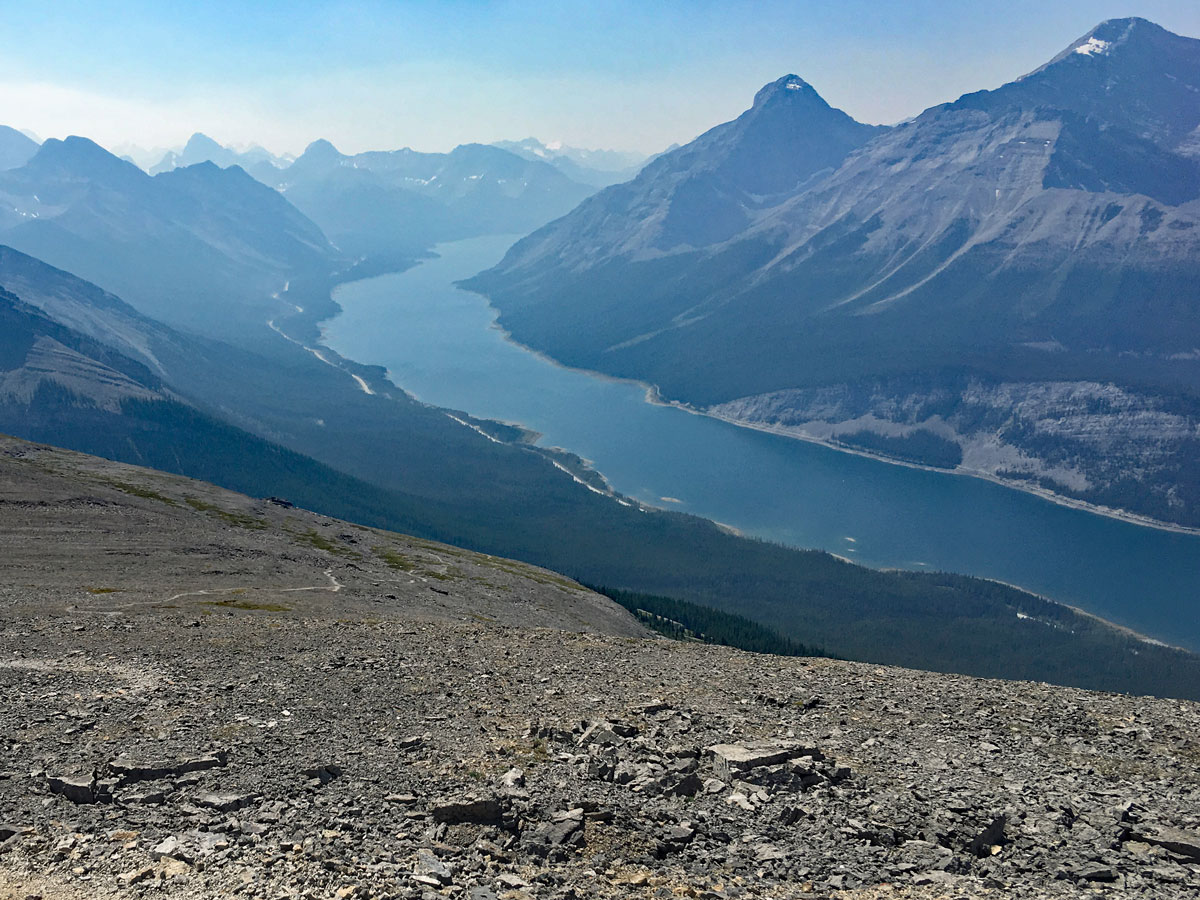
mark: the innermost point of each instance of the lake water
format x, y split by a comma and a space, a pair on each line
440, 344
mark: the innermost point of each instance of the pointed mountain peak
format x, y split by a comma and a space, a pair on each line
1116, 31
201, 143
789, 89
81, 156
1115, 36
786, 137
319, 157
321, 149
1128, 73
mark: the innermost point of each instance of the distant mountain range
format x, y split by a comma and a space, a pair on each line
210, 242
1011, 279
200, 148
402, 201
206, 242
598, 168
392, 206
200, 247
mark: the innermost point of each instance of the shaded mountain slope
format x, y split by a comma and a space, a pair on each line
63, 387
1048, 231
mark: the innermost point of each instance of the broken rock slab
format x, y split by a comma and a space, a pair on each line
172, 848
225, 802
1176, 840
729, 761
130, 771
429, 868
474, 810
77, 789
565, 828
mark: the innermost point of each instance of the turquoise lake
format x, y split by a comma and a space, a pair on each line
441, 345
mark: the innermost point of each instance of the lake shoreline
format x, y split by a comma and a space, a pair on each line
655, 398
1107, 512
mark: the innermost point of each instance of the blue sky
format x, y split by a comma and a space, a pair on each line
374, 74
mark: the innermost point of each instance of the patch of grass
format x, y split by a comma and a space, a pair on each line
103, 590
520, 570
247, 604
449, 575
143, 492
444, 549
318, 541
395, 559
491, 584
240, 520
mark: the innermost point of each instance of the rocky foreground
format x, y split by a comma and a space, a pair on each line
220, 697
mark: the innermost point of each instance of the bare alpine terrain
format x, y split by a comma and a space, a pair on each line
208, 695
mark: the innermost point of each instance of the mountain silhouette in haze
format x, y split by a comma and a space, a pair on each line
16, 148
200, 247
598, 168
200, 148
394, 203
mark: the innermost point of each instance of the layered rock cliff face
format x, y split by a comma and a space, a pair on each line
1085, 439
208, 695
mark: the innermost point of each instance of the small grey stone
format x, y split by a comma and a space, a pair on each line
172, 848
429, 866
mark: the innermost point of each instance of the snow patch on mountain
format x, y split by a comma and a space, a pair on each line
1093, 47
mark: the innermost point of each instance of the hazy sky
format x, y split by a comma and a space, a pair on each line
379, 74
